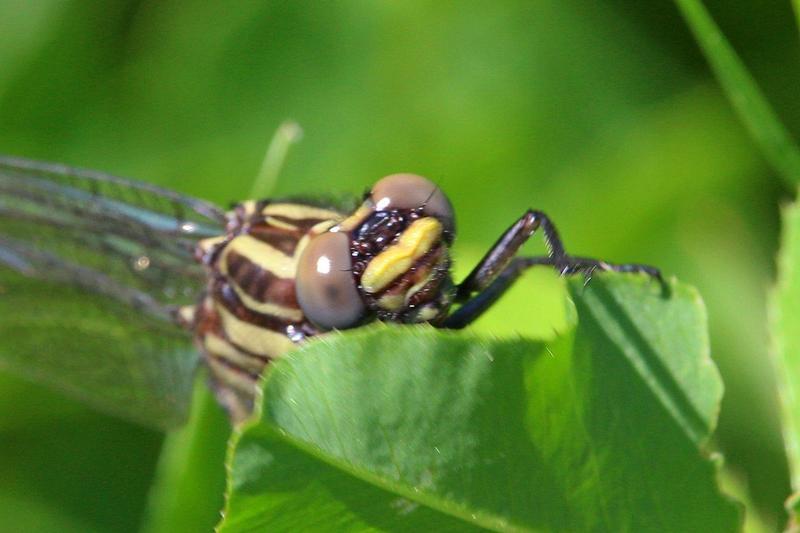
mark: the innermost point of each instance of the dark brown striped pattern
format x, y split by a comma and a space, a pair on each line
224, 295
250, 314
262, 285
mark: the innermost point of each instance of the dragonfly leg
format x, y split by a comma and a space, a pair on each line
500, 267
473, 308
506, 247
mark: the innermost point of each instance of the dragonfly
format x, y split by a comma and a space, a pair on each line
241, 286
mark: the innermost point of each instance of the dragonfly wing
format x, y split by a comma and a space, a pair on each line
139, 235
107, 261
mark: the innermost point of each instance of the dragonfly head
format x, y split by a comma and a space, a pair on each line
389, 259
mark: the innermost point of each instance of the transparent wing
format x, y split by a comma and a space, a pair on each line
113, 259
62, 223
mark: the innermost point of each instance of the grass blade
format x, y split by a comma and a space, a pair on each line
749, 102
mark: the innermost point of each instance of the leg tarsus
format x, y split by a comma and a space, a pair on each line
473, 308
589, 266
633, 268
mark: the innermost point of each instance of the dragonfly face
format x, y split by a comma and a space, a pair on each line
390, 259
252, 283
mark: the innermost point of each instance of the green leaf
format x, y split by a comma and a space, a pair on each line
786, 341
747, 99
409, 428
90, 348
664, 340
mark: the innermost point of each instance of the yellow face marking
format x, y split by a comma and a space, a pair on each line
267, 308
260, 253
414, 289
427, 313
354, 220
252, 338
391, 302
413, 243
428, 276
221, 348
300, 211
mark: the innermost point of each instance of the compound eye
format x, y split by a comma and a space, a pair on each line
410, 191
325, 287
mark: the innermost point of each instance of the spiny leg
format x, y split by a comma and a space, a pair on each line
473, 308
588, 266
499, 268
506, 247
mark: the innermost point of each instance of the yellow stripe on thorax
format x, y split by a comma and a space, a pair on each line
413, 243
318, 229
255, 339
299, 211
221, 348
262, 254
282, 224
353, 221
267, 308
231, 378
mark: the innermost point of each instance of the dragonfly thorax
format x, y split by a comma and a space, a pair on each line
250, 313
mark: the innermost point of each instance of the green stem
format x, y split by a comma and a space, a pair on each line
288, 133
190, 479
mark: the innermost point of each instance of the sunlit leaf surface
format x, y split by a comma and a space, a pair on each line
116, 360
418, 430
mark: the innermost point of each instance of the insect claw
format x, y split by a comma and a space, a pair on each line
666, 289
587, 275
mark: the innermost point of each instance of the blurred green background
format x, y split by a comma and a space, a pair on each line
605, 116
